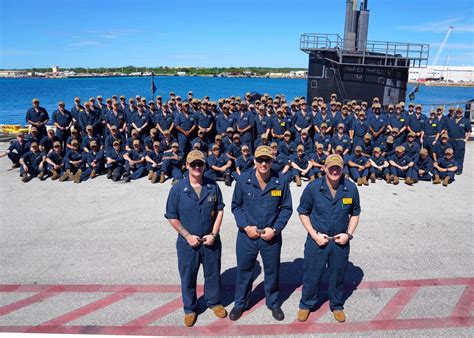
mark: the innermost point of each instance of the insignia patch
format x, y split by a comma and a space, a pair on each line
276, 193
347, 200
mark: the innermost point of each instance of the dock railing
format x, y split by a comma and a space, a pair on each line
393, 54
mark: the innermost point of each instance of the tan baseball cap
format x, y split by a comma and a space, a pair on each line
195, 155
263, 151
334, 160
400, 149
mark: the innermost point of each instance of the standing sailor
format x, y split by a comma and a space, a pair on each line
262, 206
195, 209
329, 210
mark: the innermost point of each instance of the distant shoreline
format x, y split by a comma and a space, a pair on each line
427, 84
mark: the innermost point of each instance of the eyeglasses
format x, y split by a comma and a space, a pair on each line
196, 164
260, 160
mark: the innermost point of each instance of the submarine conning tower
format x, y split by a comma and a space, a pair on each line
358, 69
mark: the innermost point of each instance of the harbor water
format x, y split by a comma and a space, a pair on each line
16, 94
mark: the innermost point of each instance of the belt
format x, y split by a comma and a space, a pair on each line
457, 139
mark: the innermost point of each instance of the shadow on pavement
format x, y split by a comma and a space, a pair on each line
228, 279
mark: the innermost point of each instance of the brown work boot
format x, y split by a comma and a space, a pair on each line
77, 176
42, 176
446, 181
162, 177
364, 181
55, 174
436, 180
154, 177
388, 178
395, 180
219, 311
312, 178
408, 181
190, 319
339, 315
26, 178
372, 178
303, 315
359, 181
93, 174
298, 180
150, 174
66, 176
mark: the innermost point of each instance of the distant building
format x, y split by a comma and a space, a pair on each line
299, 73
55, 69
181, 73
443, 73
13, 73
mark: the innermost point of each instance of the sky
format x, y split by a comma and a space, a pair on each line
213, 33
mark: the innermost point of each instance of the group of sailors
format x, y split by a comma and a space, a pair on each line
130, 139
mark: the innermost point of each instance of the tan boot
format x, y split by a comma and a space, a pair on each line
312, 178
359, 181
77, 176
395, 180
162, 177
339, 315
42, 176
364, 181
298, 180
388, 178
190, 319
219, 311
372, 178
55, 174
303, 315
66, 176
154, 177
436, 180
446, 181
408, 181
93, 174
150, 174
25, 178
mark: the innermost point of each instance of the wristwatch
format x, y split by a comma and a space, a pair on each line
275, 231
350, 236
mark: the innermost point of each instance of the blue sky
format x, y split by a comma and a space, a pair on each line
208, 33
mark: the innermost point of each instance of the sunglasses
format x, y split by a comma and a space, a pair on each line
196, 164
260, 160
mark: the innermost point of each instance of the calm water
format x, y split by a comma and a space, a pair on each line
16, 94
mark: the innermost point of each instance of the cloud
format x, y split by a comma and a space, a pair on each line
190, 56
436, 45
16, 52
439, 26
88, 43
108, 36
114, 33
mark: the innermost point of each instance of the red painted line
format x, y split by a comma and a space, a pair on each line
157, 313
89, 308
465, 305
250, 330
396, 305
39, 297
416, 282
177, 288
